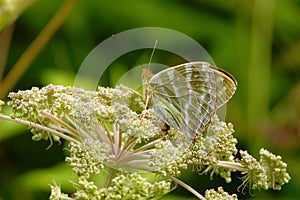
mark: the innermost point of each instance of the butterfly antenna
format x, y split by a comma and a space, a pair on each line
155, 45
146, 76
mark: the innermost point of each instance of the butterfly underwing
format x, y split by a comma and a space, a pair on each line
187, 95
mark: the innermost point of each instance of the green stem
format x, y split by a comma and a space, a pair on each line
5, 39
231, 165
110, 175
147, 146
193, 191
227, 164
35, 47
259, 70
68, 128
41, 127
130, 143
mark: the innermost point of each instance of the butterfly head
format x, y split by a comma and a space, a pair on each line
147, 89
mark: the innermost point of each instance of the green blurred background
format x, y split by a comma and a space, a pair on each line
256, 41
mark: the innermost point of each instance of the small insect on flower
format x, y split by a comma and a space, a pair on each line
187, 95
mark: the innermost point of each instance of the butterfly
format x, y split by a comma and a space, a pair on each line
186, 96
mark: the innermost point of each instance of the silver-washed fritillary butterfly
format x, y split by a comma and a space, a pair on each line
187, 95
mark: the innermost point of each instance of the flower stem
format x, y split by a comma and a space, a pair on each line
41, 127
193, 191
231, 165
110, 175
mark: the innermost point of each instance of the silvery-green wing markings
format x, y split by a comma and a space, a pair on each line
185, 96
226, 86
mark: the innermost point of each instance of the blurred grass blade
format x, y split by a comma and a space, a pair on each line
35, 47
5, 39
10, 10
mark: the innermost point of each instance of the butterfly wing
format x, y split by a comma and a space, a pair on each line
185, 96
226, 86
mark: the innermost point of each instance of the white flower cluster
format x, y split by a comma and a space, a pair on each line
111, 132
